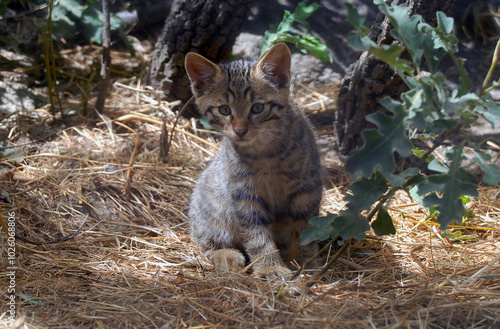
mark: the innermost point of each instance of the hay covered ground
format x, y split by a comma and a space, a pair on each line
132, 264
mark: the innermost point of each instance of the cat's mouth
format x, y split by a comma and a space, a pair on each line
244, 141
244, 138
241, 140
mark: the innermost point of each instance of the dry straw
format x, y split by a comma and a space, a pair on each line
132, 265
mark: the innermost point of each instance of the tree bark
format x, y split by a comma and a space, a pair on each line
371, 79
208, 27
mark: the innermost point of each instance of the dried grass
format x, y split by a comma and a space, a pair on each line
133, 264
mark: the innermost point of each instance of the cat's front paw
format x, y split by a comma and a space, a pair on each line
226, 260
273, 272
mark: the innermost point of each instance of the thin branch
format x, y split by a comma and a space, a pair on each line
137, 145
318, 275
494, 61
164, 145
310, 260
106, 58
45, 37
54, 241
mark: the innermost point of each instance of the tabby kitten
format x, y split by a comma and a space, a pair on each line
258, 193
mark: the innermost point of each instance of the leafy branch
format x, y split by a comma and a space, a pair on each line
283, 33
428, 112
71, 16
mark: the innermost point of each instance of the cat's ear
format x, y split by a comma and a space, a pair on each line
275, 65
201, 72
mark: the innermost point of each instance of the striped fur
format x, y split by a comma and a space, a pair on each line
258, 193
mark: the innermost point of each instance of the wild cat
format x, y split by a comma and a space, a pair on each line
259, 191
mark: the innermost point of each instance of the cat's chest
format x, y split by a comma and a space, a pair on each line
271, 182
272, 177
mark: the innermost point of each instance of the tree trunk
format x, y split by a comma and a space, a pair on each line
208, 27
371, 79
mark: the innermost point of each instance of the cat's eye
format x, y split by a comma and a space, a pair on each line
257, 108
224, 110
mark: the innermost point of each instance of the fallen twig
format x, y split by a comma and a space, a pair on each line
56, 240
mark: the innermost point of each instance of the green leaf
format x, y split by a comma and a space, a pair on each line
450, 208
396, 180
432, 52
404, 178
451, 185
400, 180
426, 111
302, 13
491, 171
360, 42
383, 225
92, 25
62, 26
413, 99
92, 19
467, 84
115, 23
349, 224
415, 195
353, 17
365, 193
380, 145
409, 172
405, 28
281, 32
320, 229
414, 180
438, 166
456, 103
390, 55
449, 43
468, 215
445, 23
310, 43
489, 110
452, 235
355, 20
420, 153
74, 7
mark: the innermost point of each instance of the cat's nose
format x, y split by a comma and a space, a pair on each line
240, 131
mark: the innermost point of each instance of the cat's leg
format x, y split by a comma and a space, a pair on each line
262, 250
224, 254
296, 252
303, 207
212, 227
220, 243
218, 238
226, 259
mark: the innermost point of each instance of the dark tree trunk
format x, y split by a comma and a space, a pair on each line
208, 27
370, 79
